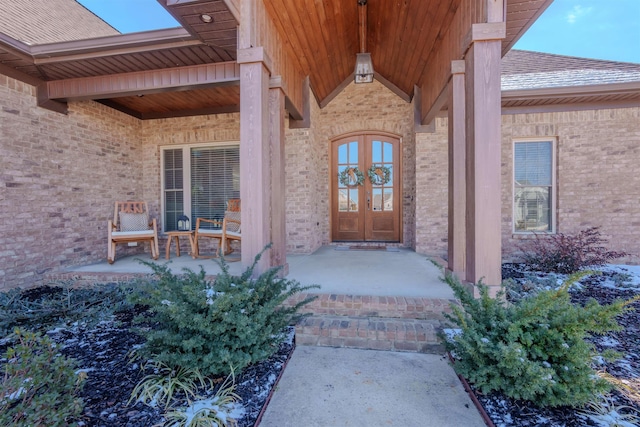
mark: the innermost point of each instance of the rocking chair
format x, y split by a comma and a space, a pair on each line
131, 224
225, 231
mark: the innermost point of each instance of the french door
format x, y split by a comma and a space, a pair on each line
365, 188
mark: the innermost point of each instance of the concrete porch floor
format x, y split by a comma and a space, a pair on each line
394, 272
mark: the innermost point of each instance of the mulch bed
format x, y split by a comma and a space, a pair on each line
104, 352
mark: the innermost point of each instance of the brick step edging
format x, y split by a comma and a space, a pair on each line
374, 306
375, 333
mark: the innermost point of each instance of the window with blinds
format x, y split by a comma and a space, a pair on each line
533, 170
198, 181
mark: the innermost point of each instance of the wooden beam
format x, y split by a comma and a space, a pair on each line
45, 102
484, 31
483, 164
234, 8
278, 203
430, 110
417, 114
255, 164
19, 75
297, 120
145, 82
255, 54
457, 252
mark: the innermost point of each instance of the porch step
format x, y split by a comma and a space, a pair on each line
374, 306
393, 323
371, 333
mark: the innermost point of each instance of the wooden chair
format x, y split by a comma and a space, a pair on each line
224, 231
131, 224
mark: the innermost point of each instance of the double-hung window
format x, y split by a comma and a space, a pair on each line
534, 165
197, 181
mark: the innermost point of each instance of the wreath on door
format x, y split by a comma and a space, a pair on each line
379, 175
350, 177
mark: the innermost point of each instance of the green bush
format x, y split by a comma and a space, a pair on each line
534, 349
235, 321
39, 385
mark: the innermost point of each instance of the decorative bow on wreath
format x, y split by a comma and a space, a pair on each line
351, 177
379, 175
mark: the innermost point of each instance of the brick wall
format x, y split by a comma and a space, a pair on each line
62, 173
60, 177
432, 190
598, 153
366, 107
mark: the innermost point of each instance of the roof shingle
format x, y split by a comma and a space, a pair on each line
48, 21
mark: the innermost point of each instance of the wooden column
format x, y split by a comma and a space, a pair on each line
255, 158
457, 172
277, 116
483, 159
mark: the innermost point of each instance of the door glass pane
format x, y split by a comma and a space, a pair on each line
390, 183
353, 153
353, 200
342, 154
343, 200
388, 200
376, 151
376, 199
388, 152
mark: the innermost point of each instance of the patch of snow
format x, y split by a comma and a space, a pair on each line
607, 341
613, 418
450, 333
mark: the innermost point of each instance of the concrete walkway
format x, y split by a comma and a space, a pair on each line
326, 387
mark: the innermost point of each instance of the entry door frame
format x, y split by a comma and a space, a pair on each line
398, 176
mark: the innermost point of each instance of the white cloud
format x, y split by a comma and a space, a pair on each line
577, 12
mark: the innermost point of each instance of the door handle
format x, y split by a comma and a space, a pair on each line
368, 201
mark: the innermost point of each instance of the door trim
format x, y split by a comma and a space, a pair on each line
400, 168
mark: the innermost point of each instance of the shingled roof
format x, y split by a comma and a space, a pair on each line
49, 21
532, 70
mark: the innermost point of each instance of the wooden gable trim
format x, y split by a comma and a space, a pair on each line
145, 82
335, 92
506, 46
393, 88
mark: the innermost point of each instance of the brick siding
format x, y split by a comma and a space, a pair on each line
62, 173
60, 177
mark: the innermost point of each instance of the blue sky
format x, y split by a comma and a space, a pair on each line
601, 29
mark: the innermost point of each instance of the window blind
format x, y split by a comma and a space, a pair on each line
215, 178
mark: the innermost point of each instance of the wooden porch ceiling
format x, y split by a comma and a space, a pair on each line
321, 36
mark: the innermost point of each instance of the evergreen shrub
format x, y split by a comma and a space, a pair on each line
534, 349
568, 254
211, 327
39, 386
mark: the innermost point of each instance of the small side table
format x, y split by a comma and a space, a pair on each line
176, 235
